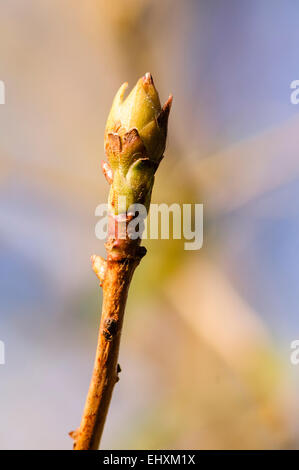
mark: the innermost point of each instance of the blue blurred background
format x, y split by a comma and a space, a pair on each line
205, 352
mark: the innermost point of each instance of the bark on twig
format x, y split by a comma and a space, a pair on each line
115, 277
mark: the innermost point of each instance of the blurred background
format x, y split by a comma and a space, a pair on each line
205, 351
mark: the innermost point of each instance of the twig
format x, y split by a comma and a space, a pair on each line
105, 373
134, 142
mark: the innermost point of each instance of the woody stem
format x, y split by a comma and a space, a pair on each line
116, 283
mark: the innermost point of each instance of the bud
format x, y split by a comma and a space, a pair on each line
135, 139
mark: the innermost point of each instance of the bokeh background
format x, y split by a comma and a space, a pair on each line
205, 351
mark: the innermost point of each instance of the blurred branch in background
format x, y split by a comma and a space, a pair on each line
250, 169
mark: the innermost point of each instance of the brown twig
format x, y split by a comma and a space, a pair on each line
115, 277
